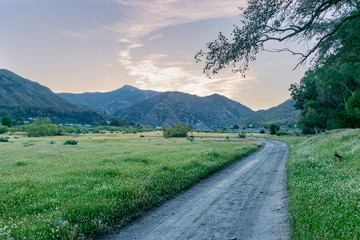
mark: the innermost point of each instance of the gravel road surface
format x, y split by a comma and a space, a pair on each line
246, 200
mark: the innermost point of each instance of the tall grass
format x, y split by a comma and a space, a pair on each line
324, 189
57, 191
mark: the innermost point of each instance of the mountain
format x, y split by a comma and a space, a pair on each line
20, 97
209, 112
282, 114
110, 102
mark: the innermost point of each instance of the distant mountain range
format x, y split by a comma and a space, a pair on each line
282, 114
110, 102
20, 97
209, 112
155, 108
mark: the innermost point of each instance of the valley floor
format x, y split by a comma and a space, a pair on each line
49, 190
246, 200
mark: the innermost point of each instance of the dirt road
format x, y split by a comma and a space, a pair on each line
247, 200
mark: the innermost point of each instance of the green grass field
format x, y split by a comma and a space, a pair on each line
49, 190
325, 190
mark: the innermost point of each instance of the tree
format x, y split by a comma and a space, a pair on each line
328, 94
7, 121
236, 127
19, 121
353, 105
318, 21
179, 130
42, 127
117, 122
274, 128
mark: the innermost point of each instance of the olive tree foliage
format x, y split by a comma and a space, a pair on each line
280, 20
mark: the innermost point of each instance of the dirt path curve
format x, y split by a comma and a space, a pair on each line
247, 200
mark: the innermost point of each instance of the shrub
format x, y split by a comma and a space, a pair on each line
190, 138
2, 139
3, 129
71, 142
179, 130
68, 129
282, 133
142, 136
96, 130
262, 131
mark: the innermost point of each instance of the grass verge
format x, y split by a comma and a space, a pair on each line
324, 189
49, 190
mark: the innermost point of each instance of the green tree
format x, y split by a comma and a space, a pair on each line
42, 127
7, 121
179, 130
327, 94
318, 21
117, 122
353, 105
274, 128
19, 121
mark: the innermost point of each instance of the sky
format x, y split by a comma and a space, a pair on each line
100, 45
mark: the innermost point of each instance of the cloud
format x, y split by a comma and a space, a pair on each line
140, 21
141, 17
155, 73
157, 36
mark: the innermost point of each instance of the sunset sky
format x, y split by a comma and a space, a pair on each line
100, 45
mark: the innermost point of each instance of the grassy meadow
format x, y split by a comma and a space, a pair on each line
324, 190
49, 190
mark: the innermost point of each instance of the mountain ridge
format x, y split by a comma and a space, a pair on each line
112, 101
208, 112
282, 114
21, 97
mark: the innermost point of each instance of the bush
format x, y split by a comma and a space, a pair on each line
3, 129
2, 139
71, 142
42, 127
282, 133
68, 129
190, 138
179, 130
96, 130
274, 128
262, 131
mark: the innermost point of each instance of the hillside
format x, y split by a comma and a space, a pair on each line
282, 114
110, 102
20, 97
209, 112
